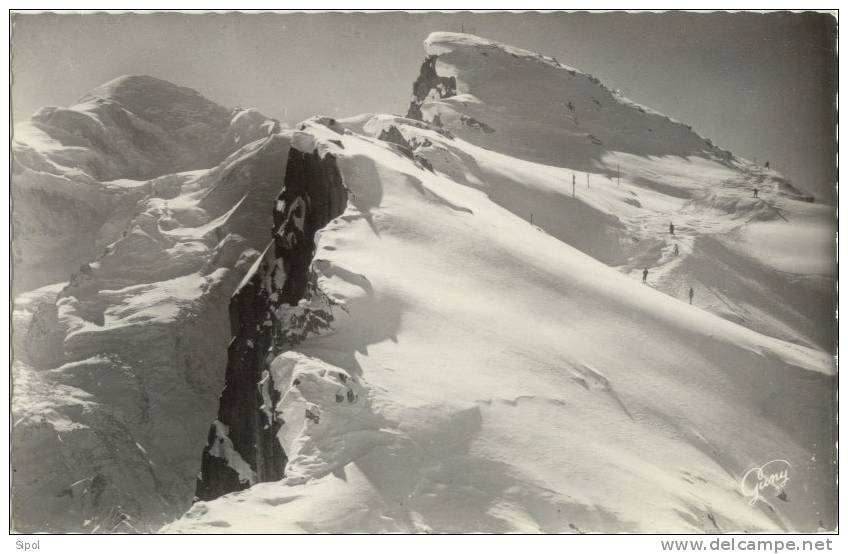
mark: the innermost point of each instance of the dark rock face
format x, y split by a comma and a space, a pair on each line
428, 83
312, 196
241, 404
242, 446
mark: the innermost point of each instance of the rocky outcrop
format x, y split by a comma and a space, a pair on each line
241, 449
429, 84
277, 305
393, 135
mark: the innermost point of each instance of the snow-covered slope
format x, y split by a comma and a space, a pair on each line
118, 367
608, 176
482, 375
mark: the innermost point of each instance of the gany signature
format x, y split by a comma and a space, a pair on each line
772, 475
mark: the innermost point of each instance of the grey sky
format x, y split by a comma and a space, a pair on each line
761, 85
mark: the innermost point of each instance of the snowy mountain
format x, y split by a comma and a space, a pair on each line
504, 100
447, 331
74, 168
118, 367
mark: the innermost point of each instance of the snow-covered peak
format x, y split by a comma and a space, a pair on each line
441, 42
73, 165
135, 127
147, 92
534, 107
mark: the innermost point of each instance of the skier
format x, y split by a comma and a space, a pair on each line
676, 250
767, 164
645, 275
756, 192
691, 295
671, 228
573, 184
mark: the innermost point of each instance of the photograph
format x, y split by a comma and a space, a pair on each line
423, 272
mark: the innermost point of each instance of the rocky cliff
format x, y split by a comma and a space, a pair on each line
273, 309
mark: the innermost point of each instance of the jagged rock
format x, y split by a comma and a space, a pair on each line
429, 85
270, 311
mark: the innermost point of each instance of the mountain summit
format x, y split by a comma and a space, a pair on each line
76, 167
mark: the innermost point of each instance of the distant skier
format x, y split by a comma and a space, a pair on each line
676, 250
645, 275
767, 164
691, 295
671, 228
573, 185
756, 192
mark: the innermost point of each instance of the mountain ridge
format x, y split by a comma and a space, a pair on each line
465, 346
332, 461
